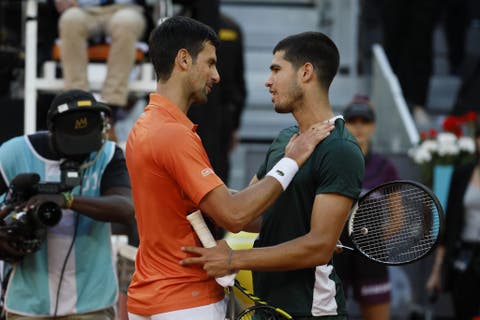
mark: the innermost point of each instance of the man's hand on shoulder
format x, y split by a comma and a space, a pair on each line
301, 146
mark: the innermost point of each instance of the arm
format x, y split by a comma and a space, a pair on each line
115, 205
434, 282
255, 225
234, 212
329, 214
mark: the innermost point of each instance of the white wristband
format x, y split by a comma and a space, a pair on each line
284, 171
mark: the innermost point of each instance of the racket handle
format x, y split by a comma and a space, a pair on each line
201, 229
207, 240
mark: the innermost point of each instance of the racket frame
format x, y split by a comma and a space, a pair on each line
416, 184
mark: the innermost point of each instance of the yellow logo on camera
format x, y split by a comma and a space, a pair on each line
81, 123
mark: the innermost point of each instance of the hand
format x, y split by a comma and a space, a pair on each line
301, 146
63, 5
38, 199
215, 261
7, 252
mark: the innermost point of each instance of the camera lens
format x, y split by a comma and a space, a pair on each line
48, 213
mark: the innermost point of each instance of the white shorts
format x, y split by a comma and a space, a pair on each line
214, 311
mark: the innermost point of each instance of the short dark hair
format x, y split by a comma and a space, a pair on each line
313, 47
177, 33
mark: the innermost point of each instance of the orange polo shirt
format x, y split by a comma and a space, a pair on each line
170, 174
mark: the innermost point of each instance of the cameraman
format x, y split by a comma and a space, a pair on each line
72, 270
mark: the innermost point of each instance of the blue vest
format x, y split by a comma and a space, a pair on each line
89, 281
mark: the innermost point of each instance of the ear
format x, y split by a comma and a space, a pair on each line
306, 72
182, 59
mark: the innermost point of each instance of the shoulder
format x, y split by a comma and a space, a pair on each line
340, 141
339, 152
15, 145
170, 135
287, 133
284, 135
14, 141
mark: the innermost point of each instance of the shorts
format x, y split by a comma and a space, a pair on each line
369, 280
214, 311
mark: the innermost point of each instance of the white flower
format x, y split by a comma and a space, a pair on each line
466, 144
446, 138
429, 145
447, 149
420, 155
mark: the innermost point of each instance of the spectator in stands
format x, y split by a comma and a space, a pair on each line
70, 271
121, 20
408, 35
205, 11
219, 119
456, 20
457, 259
370, 281
468, 98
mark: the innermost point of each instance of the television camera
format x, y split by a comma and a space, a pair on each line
26, 228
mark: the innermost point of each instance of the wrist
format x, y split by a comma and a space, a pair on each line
229, 261
68, 197
284, 171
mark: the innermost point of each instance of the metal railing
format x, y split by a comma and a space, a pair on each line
396, 131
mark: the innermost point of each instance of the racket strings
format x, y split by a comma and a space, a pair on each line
261, 313
388, 227
261, 310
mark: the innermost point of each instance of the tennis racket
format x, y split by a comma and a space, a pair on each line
261, 310
396, 223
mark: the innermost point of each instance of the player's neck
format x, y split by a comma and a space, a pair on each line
173, 92
313, 109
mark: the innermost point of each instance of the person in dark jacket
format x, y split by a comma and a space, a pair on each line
219, 119
458, 256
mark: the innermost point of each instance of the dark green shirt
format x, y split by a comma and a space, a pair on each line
335, 166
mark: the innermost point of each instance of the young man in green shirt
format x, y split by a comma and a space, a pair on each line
291, 258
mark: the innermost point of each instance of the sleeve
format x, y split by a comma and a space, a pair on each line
9, 163
115, 174
187, 162
340, 170
262, 170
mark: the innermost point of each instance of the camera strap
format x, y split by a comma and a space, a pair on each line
88, 164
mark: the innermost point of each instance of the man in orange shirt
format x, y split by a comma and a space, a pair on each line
171, 177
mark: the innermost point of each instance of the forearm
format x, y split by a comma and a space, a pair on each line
110, 208
254, 226
299, 253
439, 256
238, 210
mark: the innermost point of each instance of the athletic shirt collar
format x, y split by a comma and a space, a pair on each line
335, 118
160, 102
